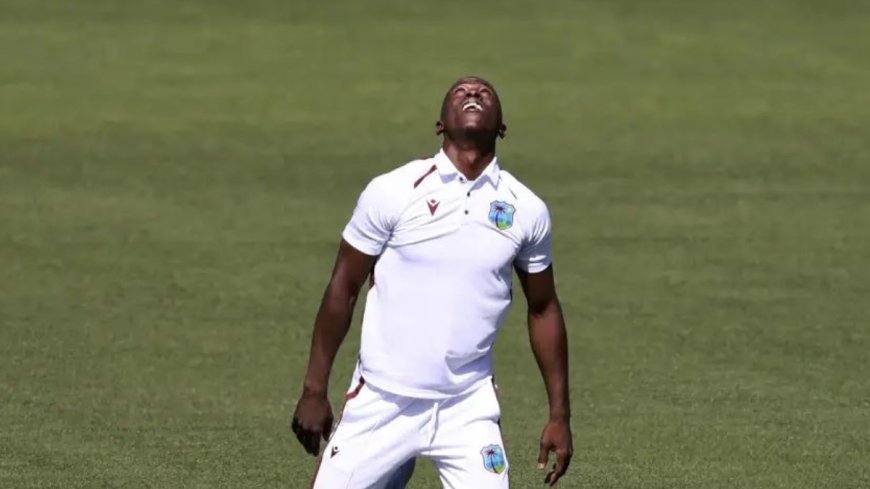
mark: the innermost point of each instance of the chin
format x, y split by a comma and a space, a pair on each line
474, 125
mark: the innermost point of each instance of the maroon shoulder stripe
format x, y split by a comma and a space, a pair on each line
420, 180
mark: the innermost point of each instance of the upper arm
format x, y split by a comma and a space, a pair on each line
365, 235
534, 262
539, 289
352, 267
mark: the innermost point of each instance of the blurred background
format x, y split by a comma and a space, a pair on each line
174, 177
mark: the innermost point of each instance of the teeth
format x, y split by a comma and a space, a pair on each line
472, 105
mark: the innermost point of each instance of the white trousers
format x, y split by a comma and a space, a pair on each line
379, 431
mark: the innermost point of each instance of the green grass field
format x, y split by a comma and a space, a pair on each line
174, 176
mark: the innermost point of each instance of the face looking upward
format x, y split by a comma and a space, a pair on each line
471, 108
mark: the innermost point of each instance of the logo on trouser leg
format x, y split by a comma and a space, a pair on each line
493, 459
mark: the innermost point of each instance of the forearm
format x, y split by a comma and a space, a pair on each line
330, 328
549, 342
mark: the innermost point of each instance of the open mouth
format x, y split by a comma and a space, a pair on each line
472, 106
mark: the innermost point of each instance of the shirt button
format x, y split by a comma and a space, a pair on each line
461, 179
468, 194
466, 211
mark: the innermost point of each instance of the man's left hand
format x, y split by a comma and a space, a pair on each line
556, 437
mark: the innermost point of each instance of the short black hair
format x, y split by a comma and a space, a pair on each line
467, 79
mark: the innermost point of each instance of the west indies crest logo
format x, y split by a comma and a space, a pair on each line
501, 214
493, 459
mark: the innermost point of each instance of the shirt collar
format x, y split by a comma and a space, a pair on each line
447, 169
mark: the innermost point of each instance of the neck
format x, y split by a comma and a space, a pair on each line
469, 158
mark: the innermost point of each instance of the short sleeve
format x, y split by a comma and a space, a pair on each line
372, 222
536, 252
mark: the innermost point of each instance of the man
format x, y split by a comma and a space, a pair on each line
445, 232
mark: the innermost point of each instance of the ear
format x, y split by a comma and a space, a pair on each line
439, 128
502, 131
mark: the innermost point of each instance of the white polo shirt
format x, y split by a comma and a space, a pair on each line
443, 282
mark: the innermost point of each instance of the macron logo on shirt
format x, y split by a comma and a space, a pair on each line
433, 206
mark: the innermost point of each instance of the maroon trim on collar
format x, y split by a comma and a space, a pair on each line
420, 180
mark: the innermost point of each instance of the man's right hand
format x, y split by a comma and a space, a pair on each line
313, 417
311, 421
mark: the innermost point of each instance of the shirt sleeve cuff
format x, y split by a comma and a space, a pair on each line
360, 243
535, 267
